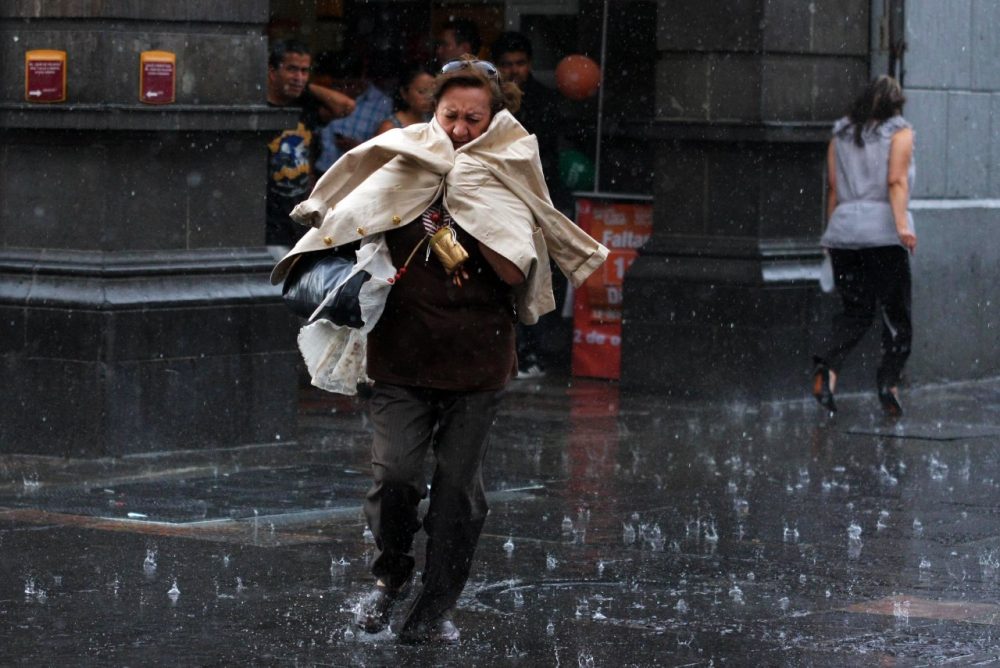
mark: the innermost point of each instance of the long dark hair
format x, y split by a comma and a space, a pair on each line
406, 77
881, 99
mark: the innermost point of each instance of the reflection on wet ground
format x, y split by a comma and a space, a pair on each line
624, 530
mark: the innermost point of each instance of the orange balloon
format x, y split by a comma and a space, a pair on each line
577, 77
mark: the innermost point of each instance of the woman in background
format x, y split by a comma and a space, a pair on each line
869, 238
413, 102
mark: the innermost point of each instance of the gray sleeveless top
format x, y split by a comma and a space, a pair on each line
863, 217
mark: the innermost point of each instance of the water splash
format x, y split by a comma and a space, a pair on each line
901, 611
887, 478
508, 546
551, 562
174, 592
938, 469
567, 524
711, 534
628, 534
149, 563
790, 534
681, 606
854, 531
736, 594
368, 536
918, 526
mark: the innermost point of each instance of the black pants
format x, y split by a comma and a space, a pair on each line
455, 425
872, 281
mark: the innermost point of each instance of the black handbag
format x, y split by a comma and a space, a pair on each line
314, 276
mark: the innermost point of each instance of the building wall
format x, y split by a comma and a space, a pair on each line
952, 86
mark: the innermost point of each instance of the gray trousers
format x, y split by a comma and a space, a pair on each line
454, 426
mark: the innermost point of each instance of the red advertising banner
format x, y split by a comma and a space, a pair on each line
45, 76
157, 74
623, 225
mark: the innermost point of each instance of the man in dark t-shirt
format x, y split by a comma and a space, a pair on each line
540, 110
293, 152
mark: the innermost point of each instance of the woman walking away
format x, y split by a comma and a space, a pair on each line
462, 206
869, 235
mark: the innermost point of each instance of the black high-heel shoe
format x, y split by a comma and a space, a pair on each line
890, 402
821, 386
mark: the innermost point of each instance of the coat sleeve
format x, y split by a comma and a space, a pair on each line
576, 253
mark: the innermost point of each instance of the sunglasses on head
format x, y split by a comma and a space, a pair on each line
482, 65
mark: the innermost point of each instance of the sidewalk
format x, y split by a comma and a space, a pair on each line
625, 531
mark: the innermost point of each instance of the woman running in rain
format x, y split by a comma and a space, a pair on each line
463, 207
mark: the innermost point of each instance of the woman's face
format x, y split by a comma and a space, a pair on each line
464, 113
418, 94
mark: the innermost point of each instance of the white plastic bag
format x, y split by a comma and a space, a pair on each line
335, 355
826, 283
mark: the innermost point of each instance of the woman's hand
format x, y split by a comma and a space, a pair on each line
908, 239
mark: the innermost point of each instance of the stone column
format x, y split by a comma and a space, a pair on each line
723, 298
136, 313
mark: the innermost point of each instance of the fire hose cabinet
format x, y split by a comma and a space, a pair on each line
45, 75
157, 77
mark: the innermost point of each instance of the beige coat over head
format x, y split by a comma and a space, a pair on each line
492, 186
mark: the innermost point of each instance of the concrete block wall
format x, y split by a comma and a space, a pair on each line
952, 86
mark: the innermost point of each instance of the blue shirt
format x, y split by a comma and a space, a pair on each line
370, 109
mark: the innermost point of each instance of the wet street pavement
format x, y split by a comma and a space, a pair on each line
624, 531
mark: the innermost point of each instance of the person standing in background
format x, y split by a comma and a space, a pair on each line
292, 153
372, 106
414, 100
869, 238
457, 38
540, 115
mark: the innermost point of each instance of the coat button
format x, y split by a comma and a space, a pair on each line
328, 241
396, 220
361, 231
